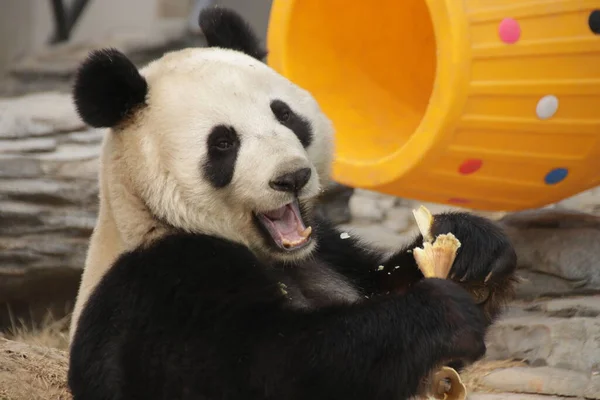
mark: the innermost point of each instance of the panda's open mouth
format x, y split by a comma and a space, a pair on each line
286, 227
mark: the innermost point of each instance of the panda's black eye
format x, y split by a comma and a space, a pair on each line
223, 145
222, 139
281, 110
284, 116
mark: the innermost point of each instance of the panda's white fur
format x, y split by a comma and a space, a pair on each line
149, 165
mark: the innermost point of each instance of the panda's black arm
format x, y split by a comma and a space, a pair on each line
373, 271
485, 264
379, 349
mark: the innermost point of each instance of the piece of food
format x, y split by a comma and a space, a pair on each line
283, 288
435, 261
447, 385
424, 220
436, 257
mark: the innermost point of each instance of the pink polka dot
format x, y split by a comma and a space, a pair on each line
509, 30
458, 200
470, 166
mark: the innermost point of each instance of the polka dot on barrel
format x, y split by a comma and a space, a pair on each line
470, 166
547, 107
509, 30
556, 175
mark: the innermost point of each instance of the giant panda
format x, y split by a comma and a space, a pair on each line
210, 276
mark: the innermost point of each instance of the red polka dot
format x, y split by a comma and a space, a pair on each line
509, 30
470, 166
458, 200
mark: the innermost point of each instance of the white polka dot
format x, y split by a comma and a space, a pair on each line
547, 107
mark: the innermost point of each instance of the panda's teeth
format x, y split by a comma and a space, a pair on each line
289, 243
306, 233
292, 243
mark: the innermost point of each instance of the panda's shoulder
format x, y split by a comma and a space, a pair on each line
175, 259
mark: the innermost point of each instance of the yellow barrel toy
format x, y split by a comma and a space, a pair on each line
485, 104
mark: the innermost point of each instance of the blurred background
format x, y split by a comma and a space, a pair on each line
48, 201
28, 27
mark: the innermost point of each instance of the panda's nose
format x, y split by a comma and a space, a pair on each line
291, 182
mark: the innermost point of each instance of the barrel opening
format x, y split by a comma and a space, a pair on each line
372, 69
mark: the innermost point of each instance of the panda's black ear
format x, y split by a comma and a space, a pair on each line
107, 87
226, 29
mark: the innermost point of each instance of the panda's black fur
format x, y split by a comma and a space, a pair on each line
224, 28
109, 78
195, 317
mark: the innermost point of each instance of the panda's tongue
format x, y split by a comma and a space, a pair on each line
287, 227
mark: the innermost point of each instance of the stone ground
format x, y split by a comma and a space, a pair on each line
48, 203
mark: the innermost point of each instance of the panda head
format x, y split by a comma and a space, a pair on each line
212, 140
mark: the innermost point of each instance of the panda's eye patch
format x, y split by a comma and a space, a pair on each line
223, 144
291, 120
222, 138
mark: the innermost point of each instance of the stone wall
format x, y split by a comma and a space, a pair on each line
48, 170
48, 202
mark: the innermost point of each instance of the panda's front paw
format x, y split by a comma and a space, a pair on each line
486, 254
461, 325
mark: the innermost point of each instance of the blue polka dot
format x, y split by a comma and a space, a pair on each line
556, 175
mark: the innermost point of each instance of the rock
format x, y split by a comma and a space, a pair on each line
387, 202
376, 235
547, 341
535, 284
37, 115
72, 152
558, 251
365, 208
86, 137
368, 207
333, 203
47, 191
592, 391
27, 145
48, 206
542, 380
16, 220
19, 167
514, 396
583, 306
399, 219
50, 252
588, 201
30, 372
87, 170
